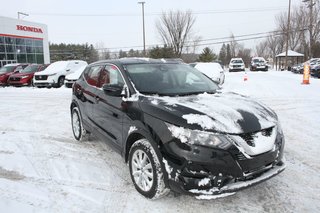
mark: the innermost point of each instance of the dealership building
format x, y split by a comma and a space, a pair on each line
23, 42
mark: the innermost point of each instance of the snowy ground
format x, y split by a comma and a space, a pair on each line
43, 169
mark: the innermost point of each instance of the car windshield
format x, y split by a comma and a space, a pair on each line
258, 61
169, 79
7, 69
30, 68
237, 61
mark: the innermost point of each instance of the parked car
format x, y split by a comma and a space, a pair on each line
212, 70
298, 68
258, 63
174, 129
8, 70
71, 78
25, 76
236, 64
315, 71
54, 74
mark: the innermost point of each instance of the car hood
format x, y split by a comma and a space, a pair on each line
76, 75
5, 73
22, 74
222, 112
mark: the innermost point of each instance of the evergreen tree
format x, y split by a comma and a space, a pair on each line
207, 55
122, 54
161, 52
228, 57
223, 54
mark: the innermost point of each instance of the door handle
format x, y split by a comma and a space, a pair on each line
115, 115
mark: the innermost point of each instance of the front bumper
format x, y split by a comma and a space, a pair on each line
207, 171
69, 83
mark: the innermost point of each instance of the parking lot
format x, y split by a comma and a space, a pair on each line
43, 169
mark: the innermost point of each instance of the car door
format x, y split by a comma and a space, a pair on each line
108, 111
89, 89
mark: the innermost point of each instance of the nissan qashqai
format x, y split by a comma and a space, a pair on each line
175, 129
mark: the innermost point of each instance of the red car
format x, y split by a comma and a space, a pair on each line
8, 70
25, 76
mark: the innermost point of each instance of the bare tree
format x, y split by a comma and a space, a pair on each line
234, 46
175, 29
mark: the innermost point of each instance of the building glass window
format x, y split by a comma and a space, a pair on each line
21, 50
10, 57
20, 41
2, 56
22, 58
10, 48
2, 49
9, 40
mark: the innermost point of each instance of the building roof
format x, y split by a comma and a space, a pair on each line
290, 54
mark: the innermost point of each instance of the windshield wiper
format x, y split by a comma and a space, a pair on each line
152, 93
195, 93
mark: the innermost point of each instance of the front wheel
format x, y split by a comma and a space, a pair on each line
77, 128
146, 171
60, 82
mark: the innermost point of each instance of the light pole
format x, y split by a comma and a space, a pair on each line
21, 13
144, 33
287, 41
310, 6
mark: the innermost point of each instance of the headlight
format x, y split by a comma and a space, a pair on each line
198, 137
22, 77
52, 74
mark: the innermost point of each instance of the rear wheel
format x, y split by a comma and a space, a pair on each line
146, 171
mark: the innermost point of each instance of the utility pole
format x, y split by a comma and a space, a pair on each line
310, 6
143, 28
287, 40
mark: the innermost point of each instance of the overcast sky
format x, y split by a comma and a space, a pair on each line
121, 24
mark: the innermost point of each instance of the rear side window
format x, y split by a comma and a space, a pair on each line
110, 75
92, 75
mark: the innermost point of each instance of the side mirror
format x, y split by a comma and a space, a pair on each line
113, 90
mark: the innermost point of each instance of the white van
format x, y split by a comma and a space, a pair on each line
54, 74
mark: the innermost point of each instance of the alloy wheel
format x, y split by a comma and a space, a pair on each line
142, 170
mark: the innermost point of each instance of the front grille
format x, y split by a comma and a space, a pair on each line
41, 77
14, 79
249, 137
240, 156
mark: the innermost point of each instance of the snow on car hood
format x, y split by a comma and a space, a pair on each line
212, 70
222, 112
76, 75
54, 68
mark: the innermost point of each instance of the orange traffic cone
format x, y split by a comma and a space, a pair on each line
306, 74
245, 78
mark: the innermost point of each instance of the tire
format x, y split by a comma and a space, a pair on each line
76, 121
148, 179
60, 82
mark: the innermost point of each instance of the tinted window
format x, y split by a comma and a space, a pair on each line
110, 75
92, 75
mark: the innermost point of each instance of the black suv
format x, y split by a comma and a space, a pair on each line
175, 129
